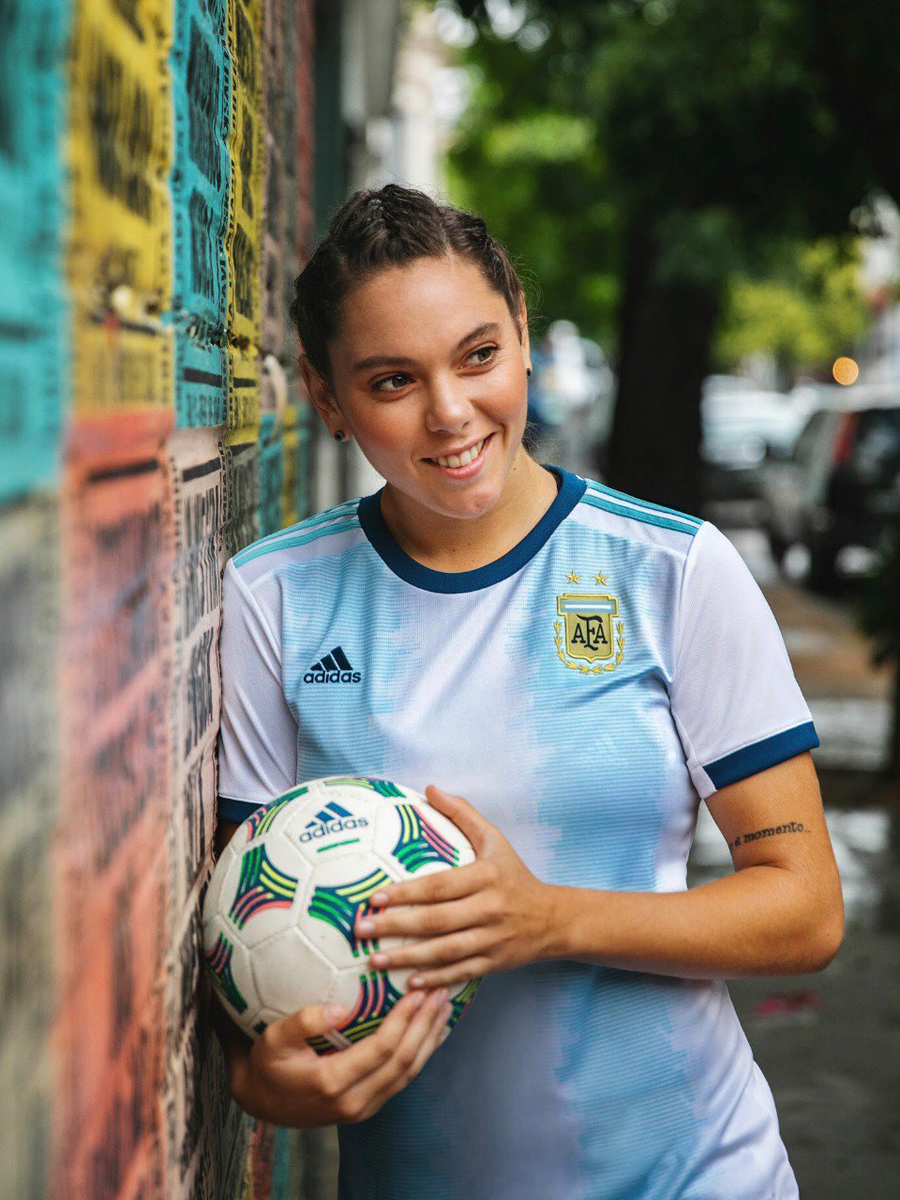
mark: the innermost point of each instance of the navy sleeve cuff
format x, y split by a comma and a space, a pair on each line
760, 755
237, 810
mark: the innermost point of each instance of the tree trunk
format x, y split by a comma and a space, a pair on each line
665, 340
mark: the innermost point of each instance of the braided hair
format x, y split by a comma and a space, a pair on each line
387, 227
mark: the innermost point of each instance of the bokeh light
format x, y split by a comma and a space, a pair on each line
845, 371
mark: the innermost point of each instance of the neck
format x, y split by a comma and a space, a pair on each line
458, 544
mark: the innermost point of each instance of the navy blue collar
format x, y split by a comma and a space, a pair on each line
572, 488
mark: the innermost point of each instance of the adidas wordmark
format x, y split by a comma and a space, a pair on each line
334, 667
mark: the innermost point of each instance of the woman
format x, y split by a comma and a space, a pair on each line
567, 671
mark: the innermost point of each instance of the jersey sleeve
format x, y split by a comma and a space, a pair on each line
257, 748
736, 704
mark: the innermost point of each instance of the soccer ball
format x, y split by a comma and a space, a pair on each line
283, 899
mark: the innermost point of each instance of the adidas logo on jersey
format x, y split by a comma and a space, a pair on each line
332, 668
331, 819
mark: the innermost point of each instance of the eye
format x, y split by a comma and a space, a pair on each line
376, 386
481, 349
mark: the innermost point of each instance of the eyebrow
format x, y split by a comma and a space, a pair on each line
380, 360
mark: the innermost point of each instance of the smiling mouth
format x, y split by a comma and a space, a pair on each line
462, 460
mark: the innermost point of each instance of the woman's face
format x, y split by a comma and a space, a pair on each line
428, 363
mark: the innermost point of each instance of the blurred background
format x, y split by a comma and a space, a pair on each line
703, 203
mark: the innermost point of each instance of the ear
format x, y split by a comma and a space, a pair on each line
321, 396
523, 326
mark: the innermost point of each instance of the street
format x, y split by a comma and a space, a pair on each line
829, 1043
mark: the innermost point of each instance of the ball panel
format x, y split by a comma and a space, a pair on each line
270, 876
339, 893
385, 788
331, 820
266, 1017
227, 962
369, 997
213, 897
461, 998
420, 839
271, 816
289, 973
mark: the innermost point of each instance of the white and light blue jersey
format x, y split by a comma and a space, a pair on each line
583, 692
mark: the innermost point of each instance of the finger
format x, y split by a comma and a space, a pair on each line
423, 1030
441, 885
451, 948
421, 920
290, 1032
360, 1060
459, 972
464, 816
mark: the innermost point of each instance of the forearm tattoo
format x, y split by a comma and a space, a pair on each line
791, 827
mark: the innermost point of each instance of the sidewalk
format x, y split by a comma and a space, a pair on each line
829, 1043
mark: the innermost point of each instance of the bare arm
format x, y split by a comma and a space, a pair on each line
781, 912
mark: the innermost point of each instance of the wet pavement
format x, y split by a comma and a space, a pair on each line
829, 1043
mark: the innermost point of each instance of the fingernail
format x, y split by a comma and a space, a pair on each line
378, 899
378, 960
334, 1013
444, 1036
417, 998
414, 980
366, 925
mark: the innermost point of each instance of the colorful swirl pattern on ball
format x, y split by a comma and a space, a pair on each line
262, 819
340, 906
262, 886
377, 996
461, 1002
218, 963
420, 843
383, 787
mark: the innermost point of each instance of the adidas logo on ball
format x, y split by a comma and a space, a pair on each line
332, 668
332, 819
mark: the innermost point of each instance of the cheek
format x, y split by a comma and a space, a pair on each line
389, 429
508, 406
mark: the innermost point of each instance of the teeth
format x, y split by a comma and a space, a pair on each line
462, 460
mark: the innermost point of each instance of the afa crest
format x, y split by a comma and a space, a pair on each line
594, 638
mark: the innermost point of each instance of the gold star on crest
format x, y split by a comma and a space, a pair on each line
600, 577
573, 578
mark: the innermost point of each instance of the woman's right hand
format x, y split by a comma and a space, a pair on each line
281, 1080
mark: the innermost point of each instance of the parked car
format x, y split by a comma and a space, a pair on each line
739, 424
840, 485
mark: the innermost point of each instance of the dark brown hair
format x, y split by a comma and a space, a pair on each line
386, 227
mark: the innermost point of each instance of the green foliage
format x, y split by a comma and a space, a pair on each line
737, 137
537, 182
704, 122
805, 311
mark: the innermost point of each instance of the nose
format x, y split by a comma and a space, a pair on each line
447, 406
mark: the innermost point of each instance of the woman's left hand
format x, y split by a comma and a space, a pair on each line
489, 916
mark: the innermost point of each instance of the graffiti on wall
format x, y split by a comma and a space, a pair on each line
151, 425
